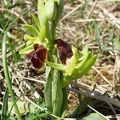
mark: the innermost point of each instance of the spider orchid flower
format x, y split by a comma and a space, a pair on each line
67, 55
38, 56
36, 46
73, 64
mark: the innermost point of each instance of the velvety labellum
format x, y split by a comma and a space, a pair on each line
38, 56
64, 50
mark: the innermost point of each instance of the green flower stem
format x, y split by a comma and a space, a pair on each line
55, 95
7, 75
53, 29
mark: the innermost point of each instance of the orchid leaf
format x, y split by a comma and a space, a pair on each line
32, 30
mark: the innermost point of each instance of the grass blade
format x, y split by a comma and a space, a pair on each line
98, 36
5, 106
7, 74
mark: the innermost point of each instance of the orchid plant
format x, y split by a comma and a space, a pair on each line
63, 62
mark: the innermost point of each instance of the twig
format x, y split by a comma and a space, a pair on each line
92, 8
89, 20
97, 96
70, 12
102, 76
97, 112
112, 108
31, 79
103, 1
84, 87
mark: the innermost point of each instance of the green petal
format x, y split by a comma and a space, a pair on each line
26, 50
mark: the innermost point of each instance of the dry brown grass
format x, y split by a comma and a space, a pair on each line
76, 28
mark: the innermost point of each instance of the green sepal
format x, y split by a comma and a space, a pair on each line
36, 22
26, 50
85, 49
81, 63
78, 73
83, 53
32, 30
57, 66
46, 43
42, 34
40, 39
67, 69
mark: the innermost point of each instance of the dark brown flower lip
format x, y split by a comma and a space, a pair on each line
64, 50
38, 56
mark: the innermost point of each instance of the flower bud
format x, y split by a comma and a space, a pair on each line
60, 6
50, 9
